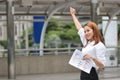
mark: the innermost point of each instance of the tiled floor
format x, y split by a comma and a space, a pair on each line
107, 74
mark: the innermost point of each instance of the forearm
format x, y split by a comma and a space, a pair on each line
77, 23
98, 63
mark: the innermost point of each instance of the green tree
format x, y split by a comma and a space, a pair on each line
30, 37
3, 43
65, 31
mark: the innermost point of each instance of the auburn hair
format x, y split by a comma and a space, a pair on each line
96, 33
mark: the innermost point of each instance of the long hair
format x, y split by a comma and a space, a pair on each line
97, 37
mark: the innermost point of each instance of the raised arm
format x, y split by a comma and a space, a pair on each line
77, 23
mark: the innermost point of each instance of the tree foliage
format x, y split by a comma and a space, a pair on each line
3, 43
65, 31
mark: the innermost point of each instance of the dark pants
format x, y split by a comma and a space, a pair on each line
92, 76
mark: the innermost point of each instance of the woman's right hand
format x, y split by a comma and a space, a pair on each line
72, 11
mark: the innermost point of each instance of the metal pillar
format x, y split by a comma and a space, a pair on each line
94, 6
10, 36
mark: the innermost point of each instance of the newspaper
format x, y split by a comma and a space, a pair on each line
77, 61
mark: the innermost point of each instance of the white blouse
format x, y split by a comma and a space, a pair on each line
97, 51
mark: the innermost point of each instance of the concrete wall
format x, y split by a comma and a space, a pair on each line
39, 64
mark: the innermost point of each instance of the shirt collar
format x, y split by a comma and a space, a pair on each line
91, 43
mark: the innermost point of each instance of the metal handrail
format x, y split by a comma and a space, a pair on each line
56, 51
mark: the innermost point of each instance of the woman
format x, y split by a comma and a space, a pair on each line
94, 48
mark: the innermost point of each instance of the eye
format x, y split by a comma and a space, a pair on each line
87, 30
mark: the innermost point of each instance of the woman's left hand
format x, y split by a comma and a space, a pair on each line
87, 56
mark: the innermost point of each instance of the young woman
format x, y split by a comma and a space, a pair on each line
94, 47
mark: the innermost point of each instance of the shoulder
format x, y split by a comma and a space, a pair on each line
81, 30
100, 45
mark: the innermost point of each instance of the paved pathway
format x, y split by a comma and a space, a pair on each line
108, 74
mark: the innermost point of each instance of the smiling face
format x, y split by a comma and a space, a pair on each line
92, 32
88, 33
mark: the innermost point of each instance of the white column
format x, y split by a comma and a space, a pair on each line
111, 33
26, 36
110, 40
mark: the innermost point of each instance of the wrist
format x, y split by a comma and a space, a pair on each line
93, 59
73, 14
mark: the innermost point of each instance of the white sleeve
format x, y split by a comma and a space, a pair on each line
82, 36
100, 52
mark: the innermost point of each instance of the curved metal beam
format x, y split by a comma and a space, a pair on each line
55, 9
111, 17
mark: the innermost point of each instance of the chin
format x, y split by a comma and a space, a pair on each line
88, 39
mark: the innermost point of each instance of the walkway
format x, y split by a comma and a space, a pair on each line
108, 74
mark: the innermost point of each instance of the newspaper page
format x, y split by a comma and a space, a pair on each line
77, 61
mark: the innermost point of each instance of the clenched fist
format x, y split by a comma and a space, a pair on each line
72, 11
